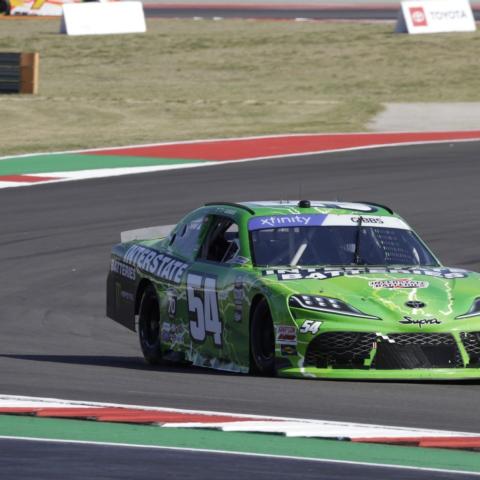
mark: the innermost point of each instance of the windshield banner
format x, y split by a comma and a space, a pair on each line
324, 220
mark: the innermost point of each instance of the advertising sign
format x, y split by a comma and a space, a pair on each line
436, 16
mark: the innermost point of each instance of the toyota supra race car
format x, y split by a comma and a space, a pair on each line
297, 288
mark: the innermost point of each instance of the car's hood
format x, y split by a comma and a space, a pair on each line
443, 293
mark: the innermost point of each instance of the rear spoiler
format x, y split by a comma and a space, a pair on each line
148, 233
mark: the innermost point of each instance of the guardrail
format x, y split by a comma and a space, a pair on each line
19, 72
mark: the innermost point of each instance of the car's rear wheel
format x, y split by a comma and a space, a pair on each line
149, 326
262, 341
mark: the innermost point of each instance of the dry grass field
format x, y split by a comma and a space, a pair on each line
189, 79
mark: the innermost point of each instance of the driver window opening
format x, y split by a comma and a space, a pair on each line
222, 242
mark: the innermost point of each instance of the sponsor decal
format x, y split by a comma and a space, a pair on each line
422, 322
238, 298
323, 220
128, 296
326, 273
166, 337
172, 333
288, 350
277, 221
238, 260
122, 269
171, 303
419, 19
398, 283
367, 220
286, 334
158, 264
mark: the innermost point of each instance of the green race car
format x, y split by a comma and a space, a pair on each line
301, 289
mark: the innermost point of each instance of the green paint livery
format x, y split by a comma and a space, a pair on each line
299, 289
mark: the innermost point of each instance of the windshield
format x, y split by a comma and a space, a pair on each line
338, 245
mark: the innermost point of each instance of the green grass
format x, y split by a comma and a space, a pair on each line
187, 79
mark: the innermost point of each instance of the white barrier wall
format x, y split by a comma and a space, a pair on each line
436, 16
104, 18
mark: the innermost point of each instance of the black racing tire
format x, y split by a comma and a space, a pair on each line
149, 326
262, 341
5, 7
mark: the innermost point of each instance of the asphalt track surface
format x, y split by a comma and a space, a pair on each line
54, 255
279, 12
56, 461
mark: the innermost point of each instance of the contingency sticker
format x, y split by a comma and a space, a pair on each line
398, 283
286, 334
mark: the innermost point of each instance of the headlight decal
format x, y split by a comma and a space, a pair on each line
473, 312
328, 305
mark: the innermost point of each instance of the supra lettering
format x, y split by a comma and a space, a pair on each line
422, 322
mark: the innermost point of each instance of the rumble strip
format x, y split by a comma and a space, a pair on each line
228, 422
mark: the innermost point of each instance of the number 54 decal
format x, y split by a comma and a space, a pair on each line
310, 326
203, 308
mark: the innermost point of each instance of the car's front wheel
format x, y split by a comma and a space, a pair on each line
262, 341
149, 326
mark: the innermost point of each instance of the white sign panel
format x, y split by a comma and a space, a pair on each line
436, 16
103, 18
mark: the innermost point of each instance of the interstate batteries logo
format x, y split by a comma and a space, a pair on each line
158, 264
419, 19
326, 273
398, 283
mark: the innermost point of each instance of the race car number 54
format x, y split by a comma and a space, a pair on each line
203, 307
310, 326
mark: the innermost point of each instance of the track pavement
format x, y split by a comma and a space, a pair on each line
55, 243
57, 461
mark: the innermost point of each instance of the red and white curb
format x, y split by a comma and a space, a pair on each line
232, 422
233, 150
24, 180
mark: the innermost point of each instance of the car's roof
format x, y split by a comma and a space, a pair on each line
285, 207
